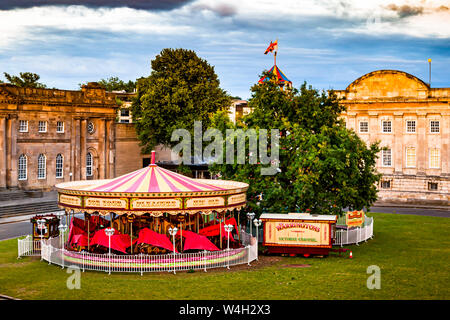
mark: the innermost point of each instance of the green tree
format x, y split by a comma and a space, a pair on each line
25, 80
181, 89
323, 167
116, 84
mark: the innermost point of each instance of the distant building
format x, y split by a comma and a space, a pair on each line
48, 136
238, 109
412, 121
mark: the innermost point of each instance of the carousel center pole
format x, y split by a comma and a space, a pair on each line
88, 233
220, 230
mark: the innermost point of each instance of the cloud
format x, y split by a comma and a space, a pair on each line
405, 10
223, 10
135, 4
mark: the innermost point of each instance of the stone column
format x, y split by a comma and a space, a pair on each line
101, 148
11, 152
3, 144
110, 151
398, 152
445, 138
422, 145
83, 148
76, 150
351, 121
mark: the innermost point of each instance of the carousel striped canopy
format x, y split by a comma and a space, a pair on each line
153, 190
153, 179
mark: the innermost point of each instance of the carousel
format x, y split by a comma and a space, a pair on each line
150, 214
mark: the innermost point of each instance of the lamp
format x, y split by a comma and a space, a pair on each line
228, 228
251, 215
109, 232
173, 231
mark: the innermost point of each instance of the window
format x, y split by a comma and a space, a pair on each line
124, 112
410, 157
386, 157
90, 128
386, 126
41, 166
22, 167
42, 126
23, 126
433, 186
434, 126
59, 166
60, 127
411, 126
89, 164
385, 184
363, 126
435, 158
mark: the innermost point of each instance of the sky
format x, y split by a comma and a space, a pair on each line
327, 44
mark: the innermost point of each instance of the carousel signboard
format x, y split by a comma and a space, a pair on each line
354, 218
69, 200
298, 233
237, 198
107, 203
137, 204
206, 202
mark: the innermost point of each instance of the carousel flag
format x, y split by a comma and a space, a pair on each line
272, 46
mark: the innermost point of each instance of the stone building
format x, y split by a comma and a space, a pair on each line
49, 136
412, 122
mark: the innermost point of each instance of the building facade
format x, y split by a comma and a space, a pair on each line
50, 136
412, 122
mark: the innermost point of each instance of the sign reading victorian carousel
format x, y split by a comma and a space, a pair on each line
298, 233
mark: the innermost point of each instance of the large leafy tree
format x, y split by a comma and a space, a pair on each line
323, 167
181, 89
25, 80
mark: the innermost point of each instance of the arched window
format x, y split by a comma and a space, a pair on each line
22, 166
41, 166
89, 163
59, 166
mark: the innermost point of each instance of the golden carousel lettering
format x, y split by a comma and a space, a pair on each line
155, 204
205, 202
69, 200
106, 203
237, 198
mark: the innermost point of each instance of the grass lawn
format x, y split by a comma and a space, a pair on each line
413, 253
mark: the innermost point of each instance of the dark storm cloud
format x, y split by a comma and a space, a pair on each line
222, 10
405, 10
135, 4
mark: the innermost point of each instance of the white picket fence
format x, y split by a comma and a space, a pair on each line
28, 247
53, 252
355, 235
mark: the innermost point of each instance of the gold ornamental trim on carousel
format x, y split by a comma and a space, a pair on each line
70, 200
158, 213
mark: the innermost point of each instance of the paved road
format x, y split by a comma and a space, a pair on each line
421, 212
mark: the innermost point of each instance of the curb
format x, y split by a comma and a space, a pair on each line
5, 297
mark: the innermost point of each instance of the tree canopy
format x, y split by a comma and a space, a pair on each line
182, 88
115, 84
25, 80
323, 166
